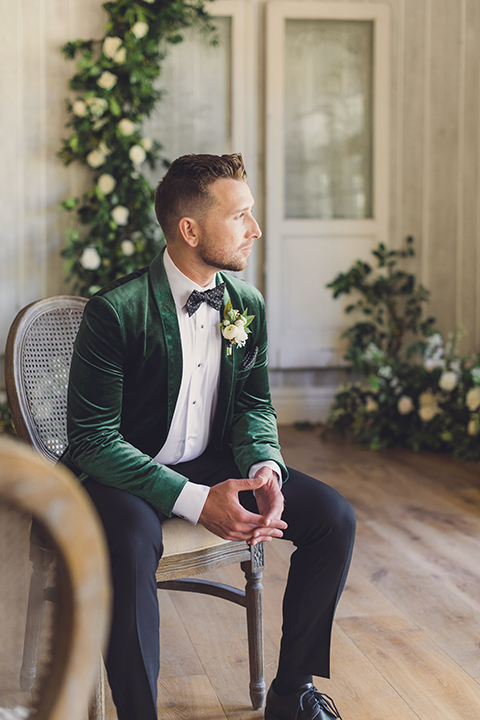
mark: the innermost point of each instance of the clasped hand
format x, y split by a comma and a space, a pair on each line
223, 514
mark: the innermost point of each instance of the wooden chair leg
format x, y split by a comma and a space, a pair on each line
41, 559
253, 570
96, 708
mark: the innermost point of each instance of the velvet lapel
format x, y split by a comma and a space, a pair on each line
168, 316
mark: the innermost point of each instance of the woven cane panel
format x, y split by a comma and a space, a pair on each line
15, 575
46, 357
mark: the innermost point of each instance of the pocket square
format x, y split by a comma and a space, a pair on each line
249, 359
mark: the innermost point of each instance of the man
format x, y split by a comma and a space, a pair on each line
169, 413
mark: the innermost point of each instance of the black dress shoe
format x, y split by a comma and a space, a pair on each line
306, 704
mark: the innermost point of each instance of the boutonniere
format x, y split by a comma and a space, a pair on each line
234, 326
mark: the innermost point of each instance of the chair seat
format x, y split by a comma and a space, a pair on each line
193, 549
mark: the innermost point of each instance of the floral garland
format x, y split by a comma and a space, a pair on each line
114, 86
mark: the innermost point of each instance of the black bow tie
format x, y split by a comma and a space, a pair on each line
214, 297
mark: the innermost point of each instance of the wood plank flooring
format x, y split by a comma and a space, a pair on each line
406, 642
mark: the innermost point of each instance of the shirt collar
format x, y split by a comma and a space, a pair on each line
180, 285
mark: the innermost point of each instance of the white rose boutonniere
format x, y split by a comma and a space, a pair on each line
234, 326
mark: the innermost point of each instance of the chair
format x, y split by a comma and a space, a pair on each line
37, 361
31, 487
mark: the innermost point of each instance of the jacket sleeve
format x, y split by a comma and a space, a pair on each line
97, 447
254, 434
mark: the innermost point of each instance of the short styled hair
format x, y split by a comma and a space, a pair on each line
185, 189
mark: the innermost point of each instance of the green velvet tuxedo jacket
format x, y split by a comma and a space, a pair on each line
125, 379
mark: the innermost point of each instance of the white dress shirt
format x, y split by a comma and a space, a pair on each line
192, 419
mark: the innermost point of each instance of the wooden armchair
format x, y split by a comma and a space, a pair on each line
31, 487
37, 362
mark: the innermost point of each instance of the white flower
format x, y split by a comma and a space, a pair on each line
448, 381
104, 149
427, 399
435, 340
97, 105
79, 108
371, 405
146, 143
140, 29
432, 363
120, 214
428, 412
90, 259
111, 45
230, 332
126, 127
476, 375
405, 405
120, 56
242, 336
472, 427
137, 154
95, 158
473, 398
93, 289
107, 80
106, 183
128, 248
149, 1
385, 371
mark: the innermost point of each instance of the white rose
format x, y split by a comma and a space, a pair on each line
120, 214
97, 105
371, 405
137, 154
106, 183
427, 399
146, 143
472, 427
128, 248
428, 412
111, 45
95, 158
473, 398
126, 127
107, 80
140, 29
230, 332
90, 259
79, 108
242, 336
448, 381
104, 149
120, 56
405, 405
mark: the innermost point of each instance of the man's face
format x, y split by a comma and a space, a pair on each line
228, 230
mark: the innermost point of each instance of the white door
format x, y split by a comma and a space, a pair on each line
327, 85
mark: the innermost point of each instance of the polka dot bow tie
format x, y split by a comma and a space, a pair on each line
214, 297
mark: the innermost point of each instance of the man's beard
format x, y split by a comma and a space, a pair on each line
232, 265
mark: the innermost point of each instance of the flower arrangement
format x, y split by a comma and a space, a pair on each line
420, 395
234, 326
113, 90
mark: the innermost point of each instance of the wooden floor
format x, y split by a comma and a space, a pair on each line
406, 642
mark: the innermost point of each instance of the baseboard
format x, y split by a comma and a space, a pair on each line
301, 404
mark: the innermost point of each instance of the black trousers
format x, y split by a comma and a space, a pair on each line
321, 525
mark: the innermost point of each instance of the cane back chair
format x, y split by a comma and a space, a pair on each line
77, 630
37, 361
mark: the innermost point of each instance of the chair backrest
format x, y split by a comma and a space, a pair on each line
37, 363
74, 639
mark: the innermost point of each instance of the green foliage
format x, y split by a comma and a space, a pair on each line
422, 396
6, 422
114, 231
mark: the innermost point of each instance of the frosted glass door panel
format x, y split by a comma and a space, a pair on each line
328, 119
195, 112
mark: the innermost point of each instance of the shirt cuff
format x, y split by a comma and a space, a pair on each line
189, 504
266, 463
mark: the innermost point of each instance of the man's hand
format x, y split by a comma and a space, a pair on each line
223, 515
269, 499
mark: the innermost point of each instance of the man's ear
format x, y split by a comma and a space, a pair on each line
188, 228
